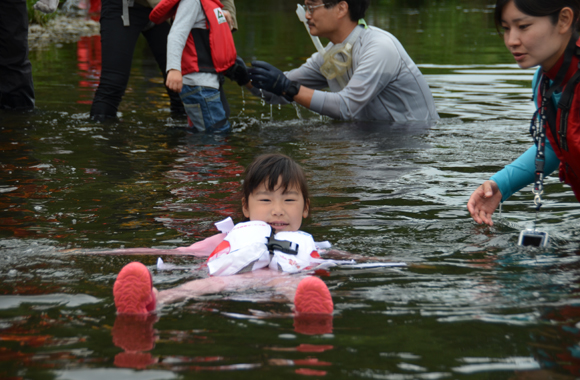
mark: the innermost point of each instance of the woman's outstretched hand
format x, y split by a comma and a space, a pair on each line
483, 202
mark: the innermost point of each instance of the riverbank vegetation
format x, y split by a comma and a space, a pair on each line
37, 17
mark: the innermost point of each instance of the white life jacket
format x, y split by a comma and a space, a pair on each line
252, 245
305, 249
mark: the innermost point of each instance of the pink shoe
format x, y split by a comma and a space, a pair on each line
313, 297
313, 306
133, 290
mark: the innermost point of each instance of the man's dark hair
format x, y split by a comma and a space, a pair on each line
356, 8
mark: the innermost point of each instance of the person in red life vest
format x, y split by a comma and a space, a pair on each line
200, 50
540, 33
122, 21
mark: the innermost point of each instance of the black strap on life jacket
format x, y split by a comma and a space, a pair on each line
283, 246
203, 50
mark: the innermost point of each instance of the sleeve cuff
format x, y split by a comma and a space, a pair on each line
317, 101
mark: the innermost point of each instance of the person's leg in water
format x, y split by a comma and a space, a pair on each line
223, 97
205, 110
136, 298
16, 86
133, 330
117, 47
134, 292
157, 40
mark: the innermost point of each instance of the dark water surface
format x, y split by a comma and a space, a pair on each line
471, 304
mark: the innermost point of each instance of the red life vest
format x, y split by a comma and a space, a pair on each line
563, 123
206, 50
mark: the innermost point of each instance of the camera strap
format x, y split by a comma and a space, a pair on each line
538, 128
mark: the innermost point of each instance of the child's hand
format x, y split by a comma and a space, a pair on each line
174, 80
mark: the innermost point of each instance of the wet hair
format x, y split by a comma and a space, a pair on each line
267, 169
539, 8
356, 8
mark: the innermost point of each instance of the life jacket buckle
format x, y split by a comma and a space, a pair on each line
283, 246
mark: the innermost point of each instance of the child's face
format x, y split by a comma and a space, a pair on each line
282, 210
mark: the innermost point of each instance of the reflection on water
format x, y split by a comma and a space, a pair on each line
481, 92
471, 304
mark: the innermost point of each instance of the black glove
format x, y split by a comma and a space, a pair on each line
238, 72
269, 78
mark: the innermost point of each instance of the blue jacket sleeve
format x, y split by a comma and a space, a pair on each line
521, 172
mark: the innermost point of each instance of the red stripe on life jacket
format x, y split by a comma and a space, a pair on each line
222, 249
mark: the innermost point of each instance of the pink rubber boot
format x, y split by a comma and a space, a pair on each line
133, 290
313, 297
313, 305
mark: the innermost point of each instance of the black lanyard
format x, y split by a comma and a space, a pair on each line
539, 132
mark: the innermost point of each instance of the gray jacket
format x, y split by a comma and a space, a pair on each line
383, 83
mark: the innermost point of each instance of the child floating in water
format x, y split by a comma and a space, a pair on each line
260, 252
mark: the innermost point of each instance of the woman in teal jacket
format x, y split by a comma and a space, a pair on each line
538, 33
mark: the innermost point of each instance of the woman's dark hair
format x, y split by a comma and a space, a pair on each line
539, 8
267, 169
356, 8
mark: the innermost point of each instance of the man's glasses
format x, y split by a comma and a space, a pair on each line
310, 8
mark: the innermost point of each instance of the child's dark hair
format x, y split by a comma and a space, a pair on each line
267, 169
539, 8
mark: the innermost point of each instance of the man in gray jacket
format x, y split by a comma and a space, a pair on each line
369, 73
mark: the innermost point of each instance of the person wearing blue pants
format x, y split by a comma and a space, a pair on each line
121, 26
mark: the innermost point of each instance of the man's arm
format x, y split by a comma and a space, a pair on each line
304, 96
379, 63
308, 76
